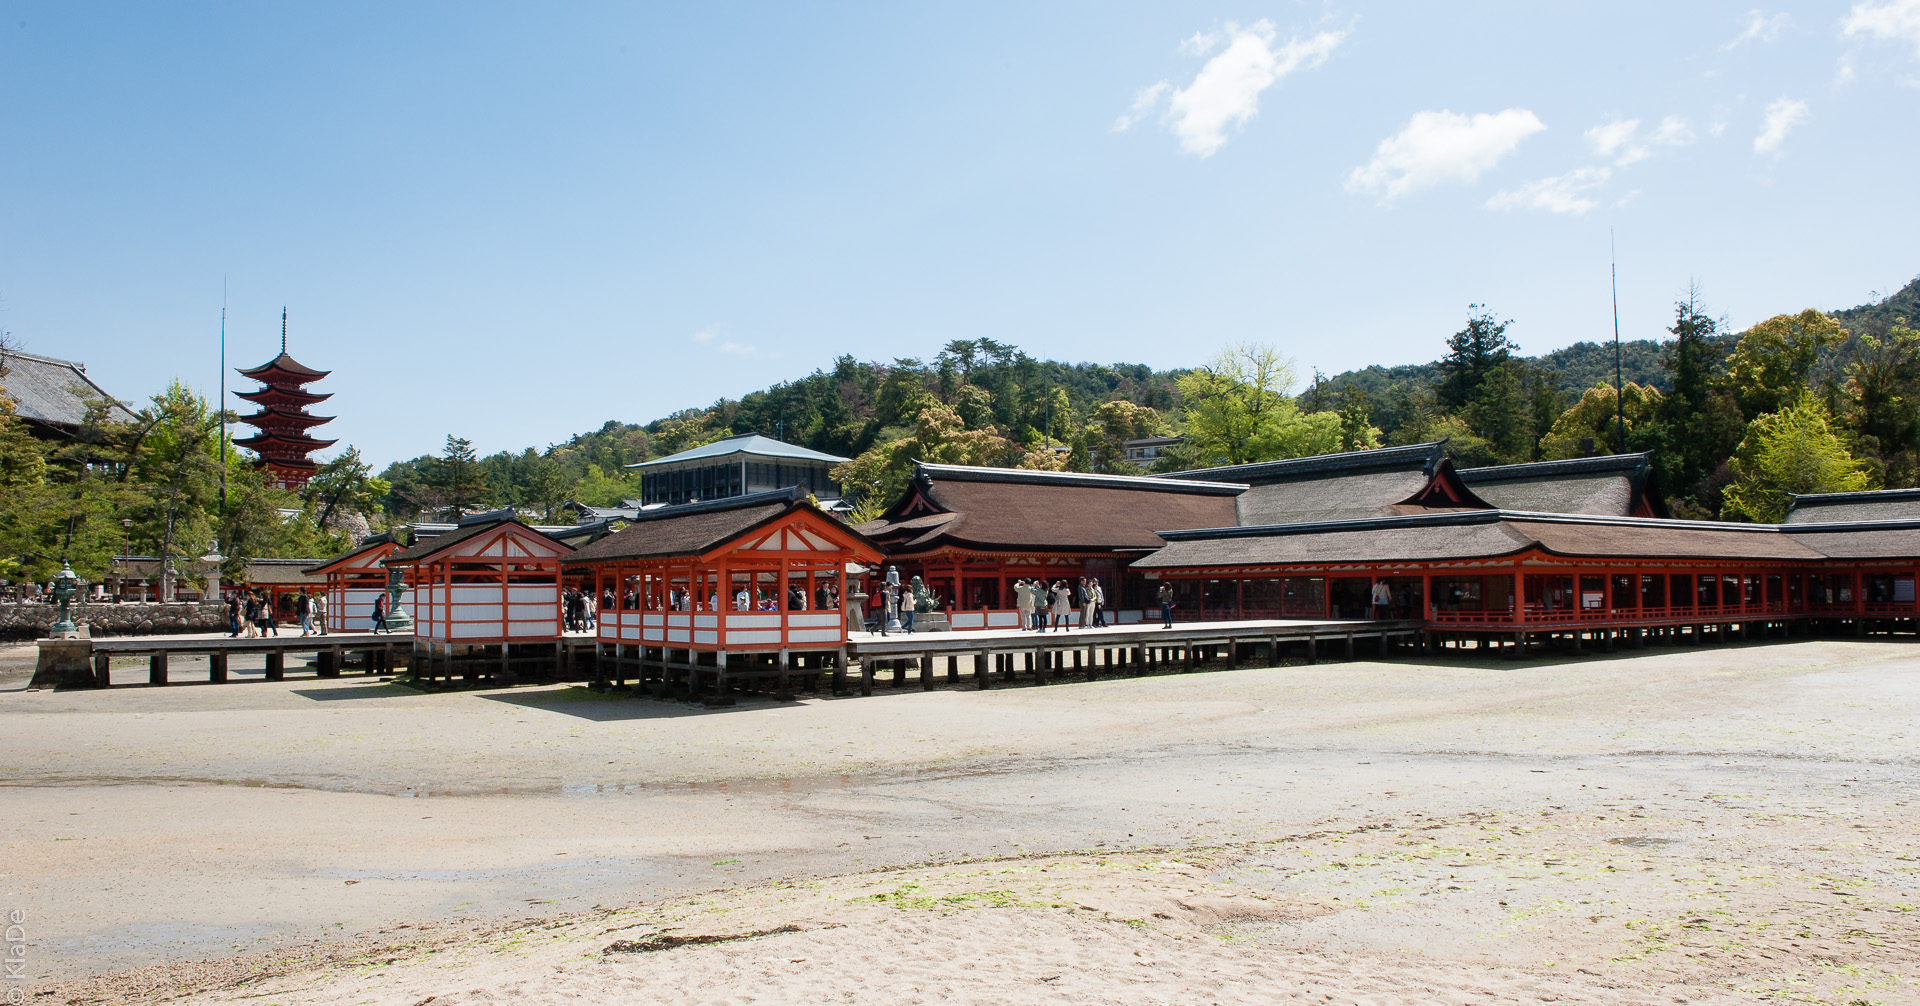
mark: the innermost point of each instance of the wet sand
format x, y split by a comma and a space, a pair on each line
1724, 823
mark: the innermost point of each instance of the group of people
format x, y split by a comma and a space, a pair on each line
250, 612
1036, 601
578, 610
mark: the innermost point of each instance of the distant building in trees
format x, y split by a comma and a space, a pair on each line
282, 443
1147, 450
737, 466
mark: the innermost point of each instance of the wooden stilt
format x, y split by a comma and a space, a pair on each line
157, 668
276, 665
216, 666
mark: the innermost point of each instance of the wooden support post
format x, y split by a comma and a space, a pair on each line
1192, 656
1313, 649
1041, 658
722, 687
327, 661
276, 665
1233, 654
599, 682
982, 664
953, 669
926, 671
783, 684
1520, 644
1349, 646
157, 668
899, 672
840, 672
102, 670
217, 666
1273, 652
866, 675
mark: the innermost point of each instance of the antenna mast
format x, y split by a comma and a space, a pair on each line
223, 403
1619, 389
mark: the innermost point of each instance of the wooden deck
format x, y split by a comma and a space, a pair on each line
330, 653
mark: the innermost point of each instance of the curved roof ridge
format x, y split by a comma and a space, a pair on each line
1095, 480
1859, 494
1429, 455
1633, 462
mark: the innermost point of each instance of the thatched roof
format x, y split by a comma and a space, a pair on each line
1003, 509
1616, 485
1878, 504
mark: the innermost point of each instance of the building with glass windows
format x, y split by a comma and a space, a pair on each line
737, 466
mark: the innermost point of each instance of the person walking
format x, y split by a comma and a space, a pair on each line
380, 613
1166, 605
1087, 603
269, 624
1382, 599
1023, 600
304, 609
1099, 602
233, 616
320, 613
1062, 606
907, 608
250, 611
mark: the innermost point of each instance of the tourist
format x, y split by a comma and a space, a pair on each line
1062, 606
1166, 605
233, 616
1088, 602
1023, 600
380, 613
1382, 598
590, 610
1099, 603
320, 613
269, 624
303, 609
250, 610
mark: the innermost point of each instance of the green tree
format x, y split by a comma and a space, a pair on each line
881, 473
1881, 402
1357, 432
1114, 423
178, 466
1501, 414
1474, 354
1238, 410
1788, 452
1594, 416
346, 483
457, 477
1770, 366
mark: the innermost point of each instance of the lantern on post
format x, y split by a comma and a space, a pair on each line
64, 587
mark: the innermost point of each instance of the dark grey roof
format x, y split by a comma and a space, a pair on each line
1877, 504
51, 391
745, 443
695, 528
1492, 534
926, 472
1346, 486
1607, 485
1424, 458
424, 547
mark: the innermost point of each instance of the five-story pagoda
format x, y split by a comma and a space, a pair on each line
283, 443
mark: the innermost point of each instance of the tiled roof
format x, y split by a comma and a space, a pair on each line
52, 391
691, 528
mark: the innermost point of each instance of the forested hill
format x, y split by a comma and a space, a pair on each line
985, 402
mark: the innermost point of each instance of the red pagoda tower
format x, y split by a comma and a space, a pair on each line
283, 443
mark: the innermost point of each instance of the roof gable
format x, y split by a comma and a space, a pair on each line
745, 443
1873, 504
504, 539
53, 392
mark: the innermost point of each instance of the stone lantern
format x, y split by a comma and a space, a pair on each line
64, 587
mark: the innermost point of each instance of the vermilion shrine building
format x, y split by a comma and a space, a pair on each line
749, 586
486, 596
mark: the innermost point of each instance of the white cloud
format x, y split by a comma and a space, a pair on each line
1226, 91
1143, 105
1617, 137
1621, 139
1760, 27
1437, 147
1886, 21
1559, 194
712, 336
1782, 116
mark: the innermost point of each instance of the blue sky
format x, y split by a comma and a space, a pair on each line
514, 224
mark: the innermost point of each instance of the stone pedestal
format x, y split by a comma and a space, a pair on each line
65, 663
931, 621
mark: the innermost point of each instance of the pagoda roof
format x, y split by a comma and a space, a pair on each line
298, 417
286, 365
289, 441
300, 395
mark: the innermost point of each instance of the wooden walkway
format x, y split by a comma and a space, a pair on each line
330, 653
1126, 650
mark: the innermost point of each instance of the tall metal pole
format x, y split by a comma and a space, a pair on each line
223, 403
1619, 392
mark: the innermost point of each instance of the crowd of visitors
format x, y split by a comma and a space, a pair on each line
1044, 606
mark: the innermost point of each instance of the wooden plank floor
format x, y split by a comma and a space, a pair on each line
1150, 634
